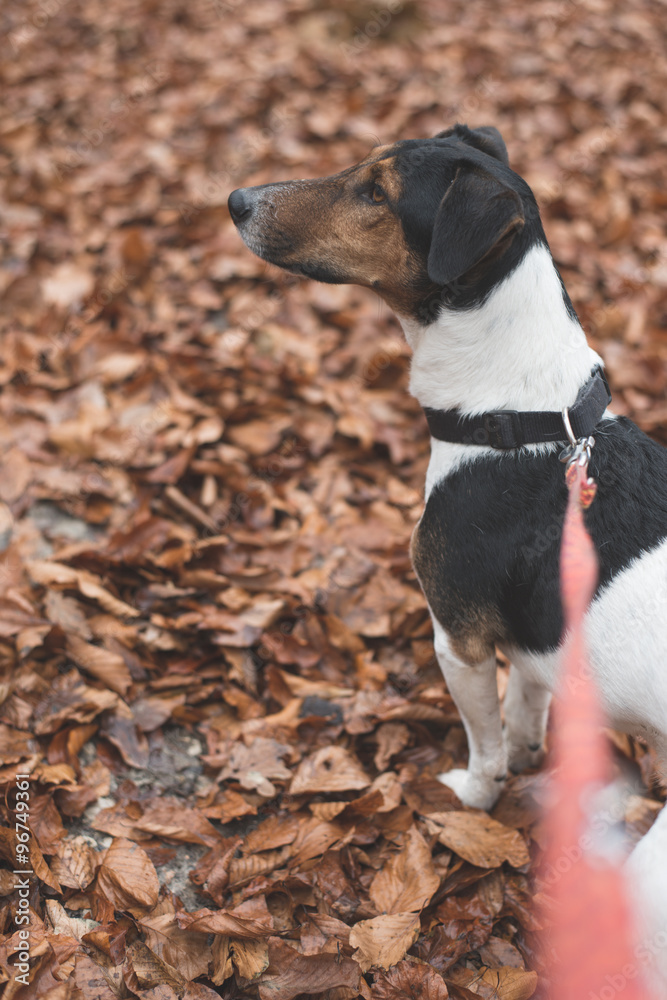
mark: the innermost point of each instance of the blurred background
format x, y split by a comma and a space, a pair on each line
197, 447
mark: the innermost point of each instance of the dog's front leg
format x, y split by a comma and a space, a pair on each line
475, 691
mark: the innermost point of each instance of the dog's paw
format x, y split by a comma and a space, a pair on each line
479, 793
522, 756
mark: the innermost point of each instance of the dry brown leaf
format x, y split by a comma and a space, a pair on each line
127, 877
408, 981
169, 817
74, 865
290, 973
392, 737
275, 831
94, 981
228, 805
496, 984
327, 810
254, 766
70, 700
330, 769
304, 687
152, 971
222, 960
65, 925
15, 745
53, 573
116, 822
391, 790
257, 437
314, 838
384, 940
408, 879
324, 933
15, 476
242, 870
184, 950
67, 284
101, 663
479, 839
248, 921
498, 952
251, 958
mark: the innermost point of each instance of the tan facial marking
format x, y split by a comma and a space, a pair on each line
329, 223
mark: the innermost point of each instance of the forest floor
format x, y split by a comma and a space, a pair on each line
217, 665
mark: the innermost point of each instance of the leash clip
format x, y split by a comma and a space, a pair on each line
576, 456
579, 449
578, 453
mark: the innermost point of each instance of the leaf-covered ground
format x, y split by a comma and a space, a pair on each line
216, 661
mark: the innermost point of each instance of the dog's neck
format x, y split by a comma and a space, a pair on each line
521, 349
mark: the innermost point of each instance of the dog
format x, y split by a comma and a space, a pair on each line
451, 238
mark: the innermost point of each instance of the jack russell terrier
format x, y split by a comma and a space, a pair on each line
451, 238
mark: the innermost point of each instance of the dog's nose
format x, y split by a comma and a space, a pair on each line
240, 205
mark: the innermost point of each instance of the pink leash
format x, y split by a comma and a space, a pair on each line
589, 953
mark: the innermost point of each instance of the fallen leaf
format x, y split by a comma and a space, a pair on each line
384, 940
100, 663
67, 284
495, 984
184, 950
392, 737
254, 766
408, 981
251, 958
408, 879
248, 921
74, 866
289, 973
330, 769
127, 877
479, 839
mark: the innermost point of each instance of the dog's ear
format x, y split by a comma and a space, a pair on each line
486, 138
476, 215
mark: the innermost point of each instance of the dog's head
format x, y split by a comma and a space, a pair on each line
423, 221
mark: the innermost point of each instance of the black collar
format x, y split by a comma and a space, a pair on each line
512, 429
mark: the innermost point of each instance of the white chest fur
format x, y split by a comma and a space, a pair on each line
519, 350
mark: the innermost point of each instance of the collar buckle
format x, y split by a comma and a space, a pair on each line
504, 429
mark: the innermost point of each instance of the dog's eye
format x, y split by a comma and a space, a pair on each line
377, 194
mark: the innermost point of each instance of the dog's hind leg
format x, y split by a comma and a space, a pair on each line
526, 710
475, 691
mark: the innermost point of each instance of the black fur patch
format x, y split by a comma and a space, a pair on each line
428, 167
490, 534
